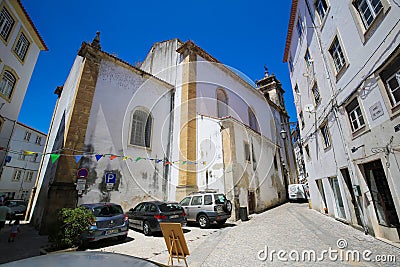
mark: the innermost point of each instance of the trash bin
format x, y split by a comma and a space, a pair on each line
243, 214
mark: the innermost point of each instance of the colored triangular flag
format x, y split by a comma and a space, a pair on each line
98, 157
159, 160
204, 163
138, 158
166, 163
78, 158
125, 157
27, 153
183, 162
113, 157
54, 157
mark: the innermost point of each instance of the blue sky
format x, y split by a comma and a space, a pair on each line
243, 35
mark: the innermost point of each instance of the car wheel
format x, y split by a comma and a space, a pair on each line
221, 222
228, 206
146, 229
122, 237
203, 221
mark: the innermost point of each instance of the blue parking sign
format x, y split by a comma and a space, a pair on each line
110, 177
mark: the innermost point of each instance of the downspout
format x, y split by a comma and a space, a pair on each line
170, 140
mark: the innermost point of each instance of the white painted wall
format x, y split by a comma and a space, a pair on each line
364, 58
10, 109
18, 144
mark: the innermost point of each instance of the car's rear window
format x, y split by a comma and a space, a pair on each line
219, 198
169, 207
107, 211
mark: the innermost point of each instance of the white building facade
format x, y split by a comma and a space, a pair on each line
22, 162
344, 63
182, 122
20, 45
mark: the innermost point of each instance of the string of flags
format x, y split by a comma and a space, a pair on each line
54, 156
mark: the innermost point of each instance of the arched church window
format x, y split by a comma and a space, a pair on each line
222, 103
252, 120
141, 128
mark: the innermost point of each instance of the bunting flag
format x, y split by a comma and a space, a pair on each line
167, 163
204, 163
113, 157
27, 153
98, 157
54, 157
137, 159
78, 158
159, 160
125, 157
183, 162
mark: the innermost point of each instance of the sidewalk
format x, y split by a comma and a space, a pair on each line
27, 243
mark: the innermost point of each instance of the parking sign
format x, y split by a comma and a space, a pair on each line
110, 177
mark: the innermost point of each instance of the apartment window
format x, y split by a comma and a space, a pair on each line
247, 152
21, 47
302, 119
17, 175
141, 128
368, 10
6, 23
29, 176
222, 103
38, 140
34, 157
296, 89
316, 94
27, 136
290, 63
337, 54
7, 84
355, 115
321, 6
307, 58
393, 86
299, 27
21, 155
252, 120
325, 134
307, 149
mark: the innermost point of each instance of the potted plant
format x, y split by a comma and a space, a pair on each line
67, 232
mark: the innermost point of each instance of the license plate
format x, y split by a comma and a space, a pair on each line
173, 216
113, 231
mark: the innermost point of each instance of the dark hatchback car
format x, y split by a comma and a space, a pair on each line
110, 222
17, 208
146, 216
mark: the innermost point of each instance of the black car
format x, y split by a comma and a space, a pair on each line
17, 208
146, 216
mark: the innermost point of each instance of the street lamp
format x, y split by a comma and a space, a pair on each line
283, 132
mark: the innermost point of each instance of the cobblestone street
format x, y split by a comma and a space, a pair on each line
239, 244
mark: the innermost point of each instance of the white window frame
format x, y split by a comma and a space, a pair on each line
337, 54
38, 140
355, 115
29, 176
27, 136
17, 175
326, 135
22, 46
321, 9
370, 8
7, 23
316, 94
300, 27
21, 155
7, 84
390, 90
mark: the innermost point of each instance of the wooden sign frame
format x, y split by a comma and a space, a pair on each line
175, 241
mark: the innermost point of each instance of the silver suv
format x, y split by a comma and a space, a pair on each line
206, 207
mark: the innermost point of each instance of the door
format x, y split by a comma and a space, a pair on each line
349, 185
195, 207
320, 186
338, 197
381, 194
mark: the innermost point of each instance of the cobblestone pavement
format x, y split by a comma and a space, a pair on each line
292, 227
